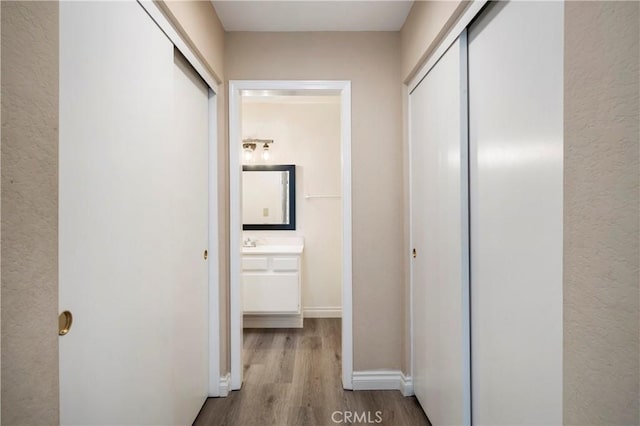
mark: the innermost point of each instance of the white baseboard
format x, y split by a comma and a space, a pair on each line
272, 321
323, 312
406, 385
225, 383
383, 380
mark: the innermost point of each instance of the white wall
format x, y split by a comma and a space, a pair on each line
306, 132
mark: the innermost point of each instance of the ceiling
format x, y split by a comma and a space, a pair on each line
310, 15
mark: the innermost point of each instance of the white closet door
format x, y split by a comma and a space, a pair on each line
133, 221
439, 225
516, 151
186, 184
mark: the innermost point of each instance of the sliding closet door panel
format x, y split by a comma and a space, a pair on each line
187, 187
133, 221
516, 152
440, 236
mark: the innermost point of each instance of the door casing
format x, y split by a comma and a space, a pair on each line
298, 87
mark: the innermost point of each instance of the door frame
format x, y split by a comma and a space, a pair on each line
213, 263
297, 87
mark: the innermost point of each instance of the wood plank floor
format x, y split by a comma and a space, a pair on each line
292, 377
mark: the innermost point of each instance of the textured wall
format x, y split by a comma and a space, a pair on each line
0, 236
601, 214
371, 61
29, 213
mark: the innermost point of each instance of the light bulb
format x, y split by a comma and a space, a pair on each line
265, 152
248, 149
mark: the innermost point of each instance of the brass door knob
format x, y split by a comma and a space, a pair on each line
65, 319
415, 253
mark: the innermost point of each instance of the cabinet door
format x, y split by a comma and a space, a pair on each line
271, 293
439, 223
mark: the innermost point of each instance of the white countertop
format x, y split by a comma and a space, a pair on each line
274, 249
274, 245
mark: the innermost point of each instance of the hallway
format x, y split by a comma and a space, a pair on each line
292, 377
446, 194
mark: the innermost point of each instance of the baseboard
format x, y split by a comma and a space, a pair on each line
406, 385
383, 380
323, 312
225, 384
272, 321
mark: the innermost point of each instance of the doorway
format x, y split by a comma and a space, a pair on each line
242, 90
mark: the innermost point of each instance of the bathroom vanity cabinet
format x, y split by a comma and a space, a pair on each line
272, 285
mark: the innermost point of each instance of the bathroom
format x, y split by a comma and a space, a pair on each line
292, 225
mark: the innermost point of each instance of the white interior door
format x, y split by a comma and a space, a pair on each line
439, 222
133, 221
516, 153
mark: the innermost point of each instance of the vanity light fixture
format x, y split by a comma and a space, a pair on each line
249, 145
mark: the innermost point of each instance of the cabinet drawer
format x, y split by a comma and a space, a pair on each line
250, 263
277, 293
285, 263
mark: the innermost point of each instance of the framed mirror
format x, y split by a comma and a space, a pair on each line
269, 197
